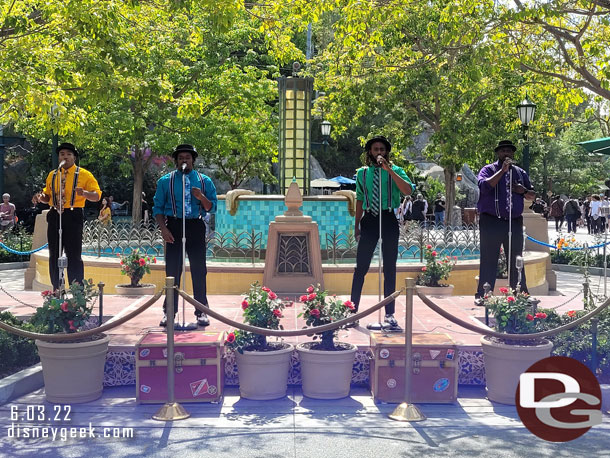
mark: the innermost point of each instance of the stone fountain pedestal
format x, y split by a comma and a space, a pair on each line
293, 260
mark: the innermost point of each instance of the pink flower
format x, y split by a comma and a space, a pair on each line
122, 262
277, 313
455, 258
303, 298
64, 307
244, 304
312, 296
504, 290
272, 295
154, 260
541, 315
429, 247
349, 305
529, 317
310, 289
265, 289
510, 299
434, 253
142, 261
231, 337
315, 312
571, 313
423, 269
71, 323
46, 293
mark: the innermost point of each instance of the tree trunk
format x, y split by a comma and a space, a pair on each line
449, 193
138, 183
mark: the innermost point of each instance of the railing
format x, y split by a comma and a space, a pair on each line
120, 238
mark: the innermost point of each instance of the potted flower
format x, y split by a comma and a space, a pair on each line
68, 314
435, 270
326, 365
135, 265
505, 359
262, 366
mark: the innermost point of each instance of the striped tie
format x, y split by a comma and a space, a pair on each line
375, 200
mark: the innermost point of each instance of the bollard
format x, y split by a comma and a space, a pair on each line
100, 299
171, 410
594, 322
407, 411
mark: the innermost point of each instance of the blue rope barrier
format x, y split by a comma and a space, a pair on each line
567, 248
23, 253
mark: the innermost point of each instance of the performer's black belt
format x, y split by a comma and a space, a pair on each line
500, 217
176, 218
382, 211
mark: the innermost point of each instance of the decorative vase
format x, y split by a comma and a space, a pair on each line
263, 375
60, 363
435, 291
144, 289
326, 374
505, 363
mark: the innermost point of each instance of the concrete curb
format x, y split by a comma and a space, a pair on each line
599, 271
14, 265
23, 382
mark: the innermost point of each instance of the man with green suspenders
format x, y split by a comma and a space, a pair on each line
370, 208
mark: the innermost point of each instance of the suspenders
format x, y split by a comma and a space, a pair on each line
172, 195
73, 195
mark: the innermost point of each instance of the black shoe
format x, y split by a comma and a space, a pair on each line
390, 321
203, 320
479, 302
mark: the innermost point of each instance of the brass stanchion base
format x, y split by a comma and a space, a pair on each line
171, 411
407, 412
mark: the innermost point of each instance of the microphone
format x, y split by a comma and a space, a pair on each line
183, 167
379, 160
61, 164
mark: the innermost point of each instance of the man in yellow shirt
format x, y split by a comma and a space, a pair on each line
66, 190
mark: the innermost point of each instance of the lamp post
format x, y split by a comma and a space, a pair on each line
325, 130
526, 111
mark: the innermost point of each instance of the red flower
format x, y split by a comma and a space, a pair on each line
429, 247
310, 289
312, 296
434, 253
231, 337
541, 315
154, 260
349, 305
272, 295
571, 313
455, 258
303, 298
122, 263
244, 304
510, 299
423, 269
46, 293
142, 261
504, 290
64, 307
529, 317
277, 313
315, 312
71, 323
265, 289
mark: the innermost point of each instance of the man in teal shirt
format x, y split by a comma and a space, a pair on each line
199, 200
370, 207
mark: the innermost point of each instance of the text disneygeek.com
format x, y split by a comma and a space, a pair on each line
63, 433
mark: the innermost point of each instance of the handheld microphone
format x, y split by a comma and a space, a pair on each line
379, 160
61, 164
183, 167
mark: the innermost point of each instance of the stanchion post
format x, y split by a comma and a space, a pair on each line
594, 322
486, 291
407, 411
171, 410
100, 300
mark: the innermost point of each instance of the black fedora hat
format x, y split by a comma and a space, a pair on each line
505, 144
378, 138
185, 148
68, 146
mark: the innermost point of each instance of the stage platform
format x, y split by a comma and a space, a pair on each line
121, 356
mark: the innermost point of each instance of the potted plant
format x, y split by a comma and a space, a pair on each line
326, 365
435, 270
68, 313
262, 366
501, 273
135, 265
505, 359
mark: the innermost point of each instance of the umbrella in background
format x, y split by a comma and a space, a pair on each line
600, 146
343, 180
323, 183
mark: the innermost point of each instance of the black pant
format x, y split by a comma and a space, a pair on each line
571, 219
494, 233
369, 234
195, 249
72, 244
558, 222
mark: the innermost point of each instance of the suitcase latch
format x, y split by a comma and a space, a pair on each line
202, 361
392, 364
416, 362
178, 358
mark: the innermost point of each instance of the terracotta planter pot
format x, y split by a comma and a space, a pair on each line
62, 361
145, 289
263, 375
505, 363
435, 291
326, 374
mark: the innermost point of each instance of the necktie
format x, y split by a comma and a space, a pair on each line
187, 196
375, 200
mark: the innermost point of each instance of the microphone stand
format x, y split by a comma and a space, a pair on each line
510, 220
62, 261
379, 325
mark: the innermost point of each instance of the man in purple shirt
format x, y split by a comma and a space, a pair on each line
494, 204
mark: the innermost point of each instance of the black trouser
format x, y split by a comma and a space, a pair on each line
571, 219
558, 222
369, 235
72, 244
195, 249
494, 233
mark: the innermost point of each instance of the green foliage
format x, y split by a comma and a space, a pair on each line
16, 352
319, 309
263, 309
513, 313
68, 313
435, 270
135, 266
18, 239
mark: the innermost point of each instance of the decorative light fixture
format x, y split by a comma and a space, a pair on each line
526, 110
325, 128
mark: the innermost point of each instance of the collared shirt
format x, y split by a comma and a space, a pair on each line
163, 200
495, 200
85, 180
390, 193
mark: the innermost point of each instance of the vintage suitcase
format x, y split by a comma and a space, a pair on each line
199, 361
434, 375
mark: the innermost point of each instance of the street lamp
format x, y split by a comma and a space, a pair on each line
526, 111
